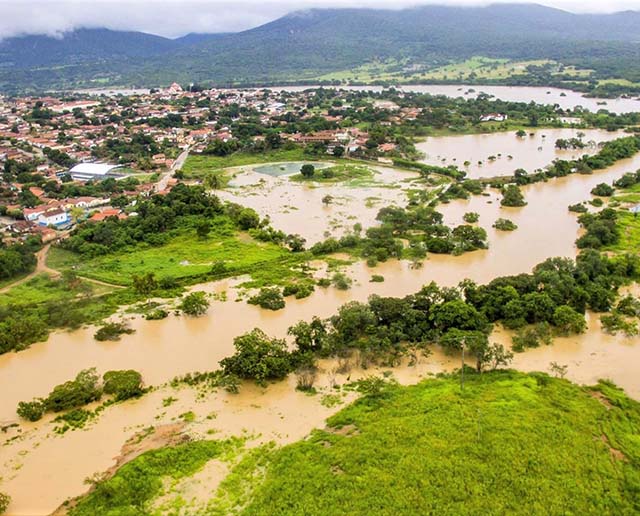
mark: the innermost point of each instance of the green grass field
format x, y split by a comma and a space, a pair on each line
42, 289
197, 166
184, 256
509, 443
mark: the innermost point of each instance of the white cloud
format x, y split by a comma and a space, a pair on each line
173, 18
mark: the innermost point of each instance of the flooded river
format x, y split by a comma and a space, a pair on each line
41, 469
499, 154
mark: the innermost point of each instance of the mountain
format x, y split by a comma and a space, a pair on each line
309, 43
82, 45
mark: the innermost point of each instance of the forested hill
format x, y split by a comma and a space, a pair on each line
305, 44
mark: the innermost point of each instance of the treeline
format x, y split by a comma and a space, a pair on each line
156, 217
18, 258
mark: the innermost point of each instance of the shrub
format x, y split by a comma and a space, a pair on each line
568, 321
376, 278
195, 304
341, 281
269, 298
123, 384
614, 323
307, 170
156, 315
504, 225
299, 290
578, 208
112, 331
471, 217
603, 190
532, 337
31, 410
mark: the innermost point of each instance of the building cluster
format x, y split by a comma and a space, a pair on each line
51, 141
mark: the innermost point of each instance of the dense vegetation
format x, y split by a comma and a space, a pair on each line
156, 217
507, 443
18, 258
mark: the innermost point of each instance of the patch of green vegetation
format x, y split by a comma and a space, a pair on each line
508, 443
42, 289
136, 484
198, 166
184, 256
337, 174
629, 230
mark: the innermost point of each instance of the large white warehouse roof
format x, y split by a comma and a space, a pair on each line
97, 169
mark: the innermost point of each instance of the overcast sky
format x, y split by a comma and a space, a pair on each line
173, 18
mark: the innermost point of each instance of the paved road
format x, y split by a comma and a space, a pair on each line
177, 165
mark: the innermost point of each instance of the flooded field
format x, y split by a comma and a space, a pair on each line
41, 469
298, 208
500, 154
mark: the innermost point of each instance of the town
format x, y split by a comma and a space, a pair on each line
65, 159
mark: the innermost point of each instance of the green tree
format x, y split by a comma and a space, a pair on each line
258, 357
195, 304
31, 411
568, 321
145, 284
512, 196
123, 384
308, 170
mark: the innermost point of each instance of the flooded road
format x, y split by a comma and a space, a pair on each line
500, 154
161, 350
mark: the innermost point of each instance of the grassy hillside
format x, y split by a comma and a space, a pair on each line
509, 443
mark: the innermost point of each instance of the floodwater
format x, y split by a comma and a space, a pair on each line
298, 208
500, 154
41, 469
565, 99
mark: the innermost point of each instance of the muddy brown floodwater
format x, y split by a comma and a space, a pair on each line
40, 469
534, 151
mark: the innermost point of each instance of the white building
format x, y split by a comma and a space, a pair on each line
55, 217
94, 172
